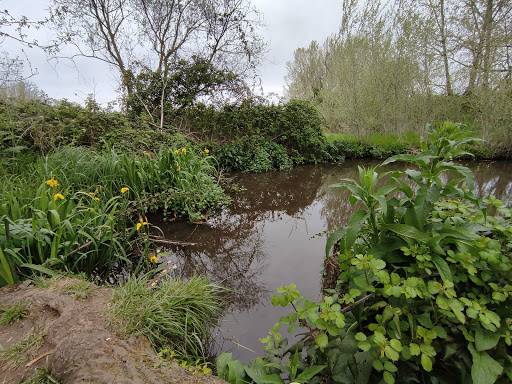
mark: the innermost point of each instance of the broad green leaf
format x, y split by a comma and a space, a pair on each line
222, 364
426, 362
409, 233
391, 353
485, 340
377, 364
415, 349
485, 370
309, 373
333, 238
354, 227
388, 377
236, 372
322, 340
390, 367
442, 268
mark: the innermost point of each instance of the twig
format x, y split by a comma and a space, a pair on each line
161, 240
39, 358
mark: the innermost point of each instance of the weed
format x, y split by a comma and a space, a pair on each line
14, 312
42, 376
176, 315
24, 350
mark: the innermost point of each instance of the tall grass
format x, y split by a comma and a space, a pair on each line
176, 315
73, 210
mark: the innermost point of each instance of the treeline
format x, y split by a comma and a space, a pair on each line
394, 67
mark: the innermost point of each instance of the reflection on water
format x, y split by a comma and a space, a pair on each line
266, 238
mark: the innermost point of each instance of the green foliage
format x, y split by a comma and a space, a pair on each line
423, 293
296, 126
254, 154
154, 94
79, 217
14, 312
177, 315
42, 376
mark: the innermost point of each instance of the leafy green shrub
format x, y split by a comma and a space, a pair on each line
423, 292
296, 126
176, 315
254, 154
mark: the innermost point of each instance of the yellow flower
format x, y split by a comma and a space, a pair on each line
154, 259
124, 189
91, 193
206, 150
58, 196
139, 225
52, 182
176, 152
183, 149
97, 198
146, 153
178, 169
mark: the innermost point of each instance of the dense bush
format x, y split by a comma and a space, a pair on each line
296, 126
252, 153
423, 289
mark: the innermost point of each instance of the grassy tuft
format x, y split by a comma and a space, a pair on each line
13, 312
177, 315
24, 350
42, 376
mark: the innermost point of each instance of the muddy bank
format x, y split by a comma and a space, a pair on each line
72, 338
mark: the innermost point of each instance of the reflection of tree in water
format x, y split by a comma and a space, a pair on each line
493, 178
231, 248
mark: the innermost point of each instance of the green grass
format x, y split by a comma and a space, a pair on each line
42, 376
14, 312
176, 315
77, 209
24, 350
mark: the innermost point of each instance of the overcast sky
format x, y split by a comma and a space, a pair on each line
290, 24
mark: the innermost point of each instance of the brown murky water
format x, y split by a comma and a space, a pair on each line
273, 234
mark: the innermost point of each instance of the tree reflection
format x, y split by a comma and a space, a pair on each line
230, 248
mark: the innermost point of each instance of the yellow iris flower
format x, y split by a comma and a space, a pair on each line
183, 149
124, 189
58, 196
52, 182
206, 150
154, 259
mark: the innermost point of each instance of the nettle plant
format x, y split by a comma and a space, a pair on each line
424, 292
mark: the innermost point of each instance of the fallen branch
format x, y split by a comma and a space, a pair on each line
161, 240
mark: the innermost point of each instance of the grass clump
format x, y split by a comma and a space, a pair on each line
14, 312
42, 376
24, 350
177, 315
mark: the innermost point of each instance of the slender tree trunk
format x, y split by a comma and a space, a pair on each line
442, 26
478, 52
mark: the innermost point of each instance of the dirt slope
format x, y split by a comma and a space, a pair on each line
71, 337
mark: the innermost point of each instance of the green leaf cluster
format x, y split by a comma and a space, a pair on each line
423, 292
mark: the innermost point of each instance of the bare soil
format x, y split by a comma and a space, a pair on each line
78, 345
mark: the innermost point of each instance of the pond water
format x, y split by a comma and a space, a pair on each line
274, 234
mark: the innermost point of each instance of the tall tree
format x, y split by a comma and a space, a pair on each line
156, 34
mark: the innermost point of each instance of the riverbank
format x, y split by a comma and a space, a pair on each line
65, 336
